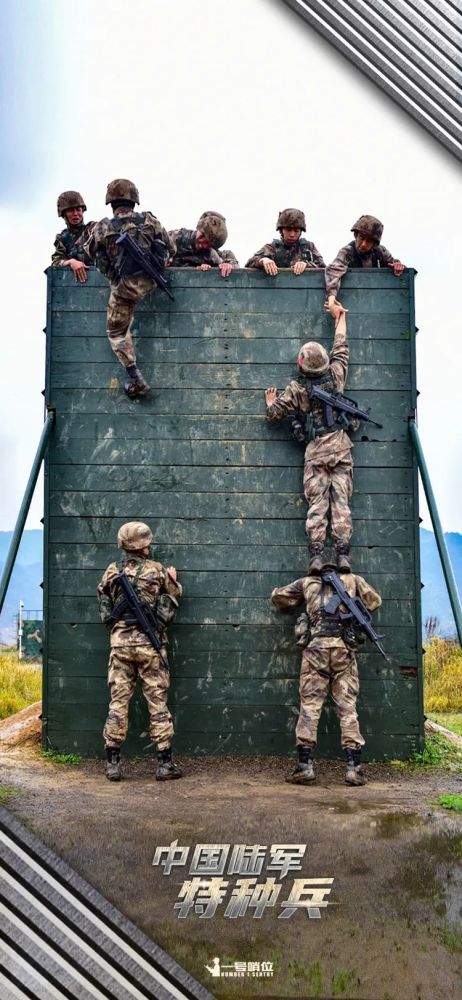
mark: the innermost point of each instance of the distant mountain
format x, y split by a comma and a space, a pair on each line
28, 575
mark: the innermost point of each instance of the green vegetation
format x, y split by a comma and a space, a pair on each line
20, 683
450, 802
442, 675
8, 792
438, 753
450, 720
61, 758
451, 938
342, 982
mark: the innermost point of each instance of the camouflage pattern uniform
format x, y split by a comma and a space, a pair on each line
285, 255
327, 662
132, 654
186, 254
328, 472
348, 257
70, 244
128, 290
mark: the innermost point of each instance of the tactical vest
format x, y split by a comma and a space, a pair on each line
325, 382
324, 625
286, 256
186, 253
123, 262
356, 259
70, 237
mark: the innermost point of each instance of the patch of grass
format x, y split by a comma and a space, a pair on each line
450, 802
8, 792
20, 683
438, 753
450, 938
450, 720
61, 758
343, 981
443, 675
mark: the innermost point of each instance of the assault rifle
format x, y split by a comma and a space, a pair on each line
133, 603
337, 407
356, 613
147, 261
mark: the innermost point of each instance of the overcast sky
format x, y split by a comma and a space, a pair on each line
235, 106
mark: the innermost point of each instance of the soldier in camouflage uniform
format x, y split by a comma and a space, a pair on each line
328, 663
328, 472
291, 250
365, 250
201, 247
69, 250
132, 654
128, 284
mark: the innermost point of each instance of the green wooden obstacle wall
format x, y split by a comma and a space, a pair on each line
222, 490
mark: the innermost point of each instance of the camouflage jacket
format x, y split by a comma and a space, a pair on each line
286, 256
143, 227
314, 594
150, 579
295, 399
349, 257
70, 243
187, 255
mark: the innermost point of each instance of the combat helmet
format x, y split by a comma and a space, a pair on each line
134, 536
313, 359
213, 226
70, 199
122, 190
291, 218
369, 226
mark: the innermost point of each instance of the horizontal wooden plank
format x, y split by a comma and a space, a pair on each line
225, 531
221, 350
372, 506
290, 559
109, 374
243, 584
104, 451
152, 479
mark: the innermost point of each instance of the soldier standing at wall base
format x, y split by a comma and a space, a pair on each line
291, 250
328, 472
128, 284
132, 654
69, 250
366, 251
201, 247
328, 663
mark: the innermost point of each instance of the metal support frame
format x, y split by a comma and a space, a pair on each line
24, 509
437, 528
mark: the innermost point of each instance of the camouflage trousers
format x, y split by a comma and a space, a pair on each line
327, 486
327, 667
126, 663
120, 308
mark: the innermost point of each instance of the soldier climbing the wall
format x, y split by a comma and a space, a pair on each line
201, 247
291, 250
133, 654
69, 250
365, 250
328, 662
328, 473
128, 283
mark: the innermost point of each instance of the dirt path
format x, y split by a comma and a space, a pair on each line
394, 929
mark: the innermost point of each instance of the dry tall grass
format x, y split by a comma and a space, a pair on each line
442, 675
20, 683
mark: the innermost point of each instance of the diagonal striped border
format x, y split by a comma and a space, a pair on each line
412, 49
59, 938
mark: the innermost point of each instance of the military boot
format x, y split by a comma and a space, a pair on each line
166, 769
304, 771
343, 561
316, 559
354, 772
137, 386
113, 764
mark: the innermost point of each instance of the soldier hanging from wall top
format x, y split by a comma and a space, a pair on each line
328, 663
291, 250
129, 283
201, 247
138, 647
328, 473
69, 250
364, 251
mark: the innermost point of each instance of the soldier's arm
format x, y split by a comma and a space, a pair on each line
104, 596
335, 272
392, 262
170, 583
371, 598
290, 596
257, 260
317, 259
340, 353
294, 399
59, 257
228, 257
158, 232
